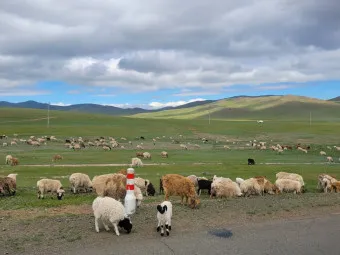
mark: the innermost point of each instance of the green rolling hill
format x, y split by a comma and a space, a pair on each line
252, 108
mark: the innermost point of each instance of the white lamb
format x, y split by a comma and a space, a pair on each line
8, 159
13, 176
146, 155
80, 180
49, 185
136, 162
164, 215
108, 210
288, 185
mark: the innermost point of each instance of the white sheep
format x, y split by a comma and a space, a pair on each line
288, 185
8, 159
291, 176
322, 153
142, 184
108, 210
329, 159
194, 179
183, 146
80, 180
136, 162
250, 187
49, 185
164, 214
224, 187
146, 155
164, 154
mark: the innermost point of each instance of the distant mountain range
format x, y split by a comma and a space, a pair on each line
199, 107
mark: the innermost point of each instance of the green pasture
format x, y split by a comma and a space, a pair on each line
211, 158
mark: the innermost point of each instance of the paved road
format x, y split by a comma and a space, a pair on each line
303, 236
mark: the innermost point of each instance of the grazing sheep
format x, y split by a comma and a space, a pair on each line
106, 148
136, 162
108, 210
325, 182
146, 155
335, 186
49, 185
142, 184
194, 179
164, 154
80, 181
13, 176
224, 187
7, 185
183, 146
251, 161
204, 184
14, 162
57, 157
288, 185
251, 187
114, 185
140, 147
291, 176
164, 214
139, 154
302, 149
175, 184
9, 159
150, 190
322, 153
329, 159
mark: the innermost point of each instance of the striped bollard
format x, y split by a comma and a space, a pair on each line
130, 198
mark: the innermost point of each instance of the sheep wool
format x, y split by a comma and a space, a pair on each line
107, 211
80, 180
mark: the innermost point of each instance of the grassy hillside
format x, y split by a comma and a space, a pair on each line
252, 108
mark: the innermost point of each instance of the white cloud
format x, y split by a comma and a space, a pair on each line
125, 106
152, 46
60, 104
156, 105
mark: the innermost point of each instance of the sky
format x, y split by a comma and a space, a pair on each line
153, 53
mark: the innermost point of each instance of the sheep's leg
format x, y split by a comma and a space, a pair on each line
162, 230
182, 200
74, 190
116, 229
199, 191
167, 229
106, 227
96, 224
159, 226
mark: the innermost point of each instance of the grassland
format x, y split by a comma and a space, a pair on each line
211, 158
269, 108
31, 225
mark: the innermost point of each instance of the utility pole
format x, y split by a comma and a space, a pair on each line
48, 115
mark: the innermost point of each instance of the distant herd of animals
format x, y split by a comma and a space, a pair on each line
110, 189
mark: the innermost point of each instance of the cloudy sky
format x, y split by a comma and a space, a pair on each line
154, 53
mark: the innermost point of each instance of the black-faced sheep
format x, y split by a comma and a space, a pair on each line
164, 214
107, 211
52, 186
205, 185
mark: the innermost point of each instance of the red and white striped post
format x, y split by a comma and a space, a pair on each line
130, 198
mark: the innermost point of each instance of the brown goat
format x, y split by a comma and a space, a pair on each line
175, 184
139, 154
57, 157
122, 171
15, 162
7, 185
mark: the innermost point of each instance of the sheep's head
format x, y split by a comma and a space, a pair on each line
126, 224
194, 202
60, 193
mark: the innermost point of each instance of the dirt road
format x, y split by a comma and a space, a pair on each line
318, 235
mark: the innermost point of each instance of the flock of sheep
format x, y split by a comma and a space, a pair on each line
110, 189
